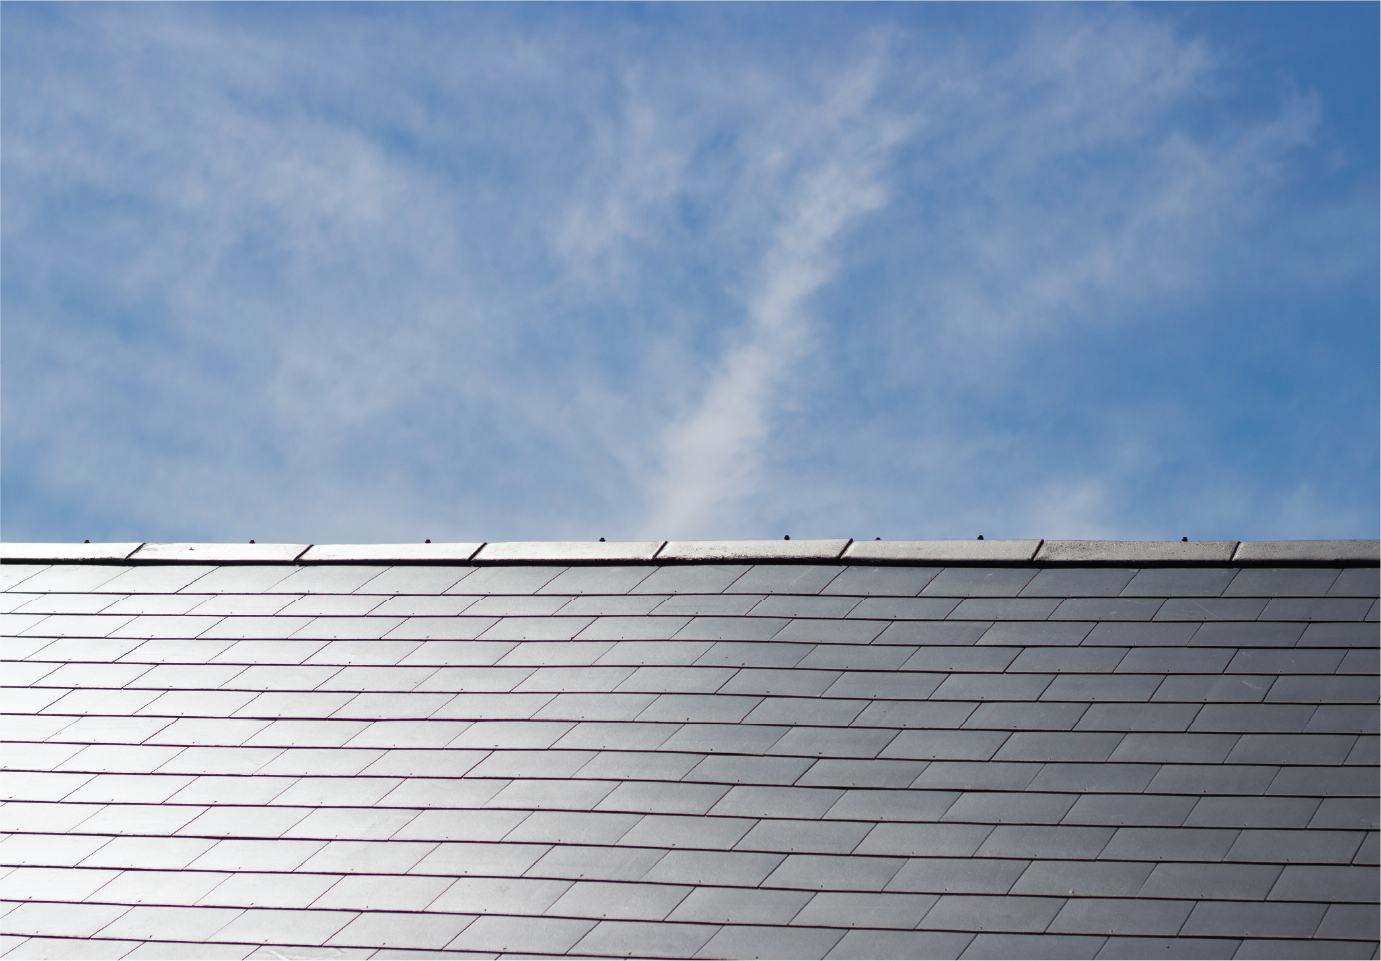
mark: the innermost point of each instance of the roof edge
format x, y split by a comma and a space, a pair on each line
1351, 553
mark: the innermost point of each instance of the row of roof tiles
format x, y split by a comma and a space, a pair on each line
842, 549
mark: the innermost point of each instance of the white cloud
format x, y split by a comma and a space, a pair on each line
349, 278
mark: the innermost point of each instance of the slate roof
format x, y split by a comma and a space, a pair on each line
748, 749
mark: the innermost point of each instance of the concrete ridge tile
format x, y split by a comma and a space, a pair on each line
17, 553
1309, 552
389, 553
1136, 552
568, 552
729, 550
942, 552
219, 553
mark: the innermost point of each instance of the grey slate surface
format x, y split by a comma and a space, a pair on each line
767, 751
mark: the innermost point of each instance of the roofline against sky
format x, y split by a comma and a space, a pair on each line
1004, 553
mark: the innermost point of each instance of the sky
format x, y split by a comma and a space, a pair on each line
320, 273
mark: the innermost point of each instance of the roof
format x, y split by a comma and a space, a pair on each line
673, 749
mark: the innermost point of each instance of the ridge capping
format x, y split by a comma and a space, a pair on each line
219, 553
389, 553
569, 552
1309, 552
943, 552
1136, 552
739, 551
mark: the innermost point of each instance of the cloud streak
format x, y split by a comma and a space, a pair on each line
456, 272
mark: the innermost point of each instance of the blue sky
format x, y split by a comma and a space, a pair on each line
321, 273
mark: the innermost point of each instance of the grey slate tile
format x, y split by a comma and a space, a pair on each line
1278, 661
864, 910
1316, 609
637, 629
1192, 660
1059, 746
557, 794
484, 859
1359, 661
1246, 718
1114, 809
389, 893
644, 939
987, 582
1211, 609
1108, 608
962, 659
1182, 949
826, 631
620, 900
699, 708
1000, 807
977, 775
145, 923
834, 742
677, 680
831, 712
416, 580
1091, 660
1347, 812
981, 912
925, 840
1345, 718
600, 579
806, 607
750, 770
862, 773
723, 739
1224, 882
825, 872
1291, 749
930, 745
522, 605
885, 684
899, 714
1334, 882
1351, 920
521, 935
1141, 717
333, 579
662, 798
1247, 920
1355, 582
755, 801
1140, 635
1313, 689
610, 736
739, 906
740, 654
992, 687
517, 579
1079, 582
958, 876
1231, 689
794, 682
449, 629
1370, 851
1275, 847
1102, 687
708, 605
258, 855
618, 605
1174, 748
1294, 950
679, 831
1282, 582
1180, 582
733, 629
1339, 635
1041, 841
1039, 634
1033, 946
1211, 779
640, 653
712, 579
267, 926
595, 707
905, 608
805, 837
737, 869
1019, 716
1004, 609
746, 941
1168, 844
536, 628
901, 944
884, 581
404, 930
1082, 879
1247, 634
784, 579
441, 825
578, 862
1252, 812
1141, 916
935, 632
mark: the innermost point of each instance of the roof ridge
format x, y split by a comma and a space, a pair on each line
840, 551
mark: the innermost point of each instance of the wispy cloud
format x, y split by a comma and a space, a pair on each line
327, 274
